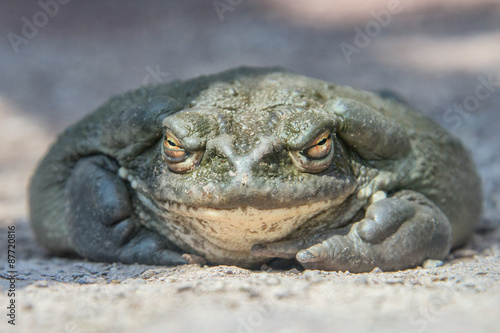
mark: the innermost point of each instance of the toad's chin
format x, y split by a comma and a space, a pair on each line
226, 236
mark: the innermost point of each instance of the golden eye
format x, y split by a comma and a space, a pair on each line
173, 150
320, 147
178, 158
317, 156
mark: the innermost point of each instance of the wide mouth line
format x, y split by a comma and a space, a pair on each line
242, 206
248, 214
186, 209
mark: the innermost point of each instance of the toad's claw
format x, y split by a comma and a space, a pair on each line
308, 256
284, 249
288, 249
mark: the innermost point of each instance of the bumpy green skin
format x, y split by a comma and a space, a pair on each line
247, 121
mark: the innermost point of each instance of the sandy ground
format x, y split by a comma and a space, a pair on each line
436, 54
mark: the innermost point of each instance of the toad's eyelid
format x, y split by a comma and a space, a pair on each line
170, 136
325, 134
189, 141
169, 133
322, 137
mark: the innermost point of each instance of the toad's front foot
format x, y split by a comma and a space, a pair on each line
397, 233
103, 226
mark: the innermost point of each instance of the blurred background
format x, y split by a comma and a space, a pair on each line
60, 59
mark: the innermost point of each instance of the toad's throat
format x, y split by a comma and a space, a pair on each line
227, 235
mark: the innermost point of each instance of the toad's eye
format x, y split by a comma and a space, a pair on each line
173, 150
178, 158
317, 156
320, 147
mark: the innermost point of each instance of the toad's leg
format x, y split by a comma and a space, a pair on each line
373, 135
101, 221
397, 233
